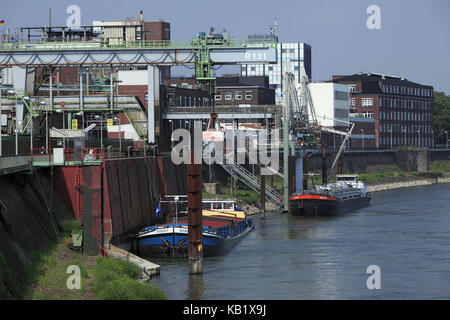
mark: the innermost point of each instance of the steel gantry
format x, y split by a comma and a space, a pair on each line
198, 52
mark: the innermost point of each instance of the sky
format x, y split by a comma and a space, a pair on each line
413, 41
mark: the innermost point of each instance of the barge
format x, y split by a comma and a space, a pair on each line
344, 195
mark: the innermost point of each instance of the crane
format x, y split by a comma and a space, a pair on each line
300, 123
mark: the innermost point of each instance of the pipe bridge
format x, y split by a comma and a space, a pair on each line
22, 55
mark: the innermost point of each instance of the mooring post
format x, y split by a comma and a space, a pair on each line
195, 223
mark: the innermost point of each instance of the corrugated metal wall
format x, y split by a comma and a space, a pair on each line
135, 187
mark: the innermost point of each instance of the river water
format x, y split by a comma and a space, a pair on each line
405, 232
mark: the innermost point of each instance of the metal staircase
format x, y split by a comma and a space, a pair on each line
138, 120
240, 173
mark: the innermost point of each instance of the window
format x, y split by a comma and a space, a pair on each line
352, 102
238, 95
248, 95
228, 95
367, 102
341, 95
352, 87
367, 114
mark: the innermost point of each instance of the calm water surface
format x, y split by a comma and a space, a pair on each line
405, 232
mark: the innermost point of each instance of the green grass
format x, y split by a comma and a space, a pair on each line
116, 279
440, 167
49, 274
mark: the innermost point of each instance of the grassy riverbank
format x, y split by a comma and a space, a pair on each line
393, 174
101, 278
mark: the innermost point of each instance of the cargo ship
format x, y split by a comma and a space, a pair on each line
224, 225
344, 195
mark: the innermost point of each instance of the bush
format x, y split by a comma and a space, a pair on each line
440, 167
367, 178
69, 225
116, 279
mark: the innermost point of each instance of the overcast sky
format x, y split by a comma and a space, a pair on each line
413, 42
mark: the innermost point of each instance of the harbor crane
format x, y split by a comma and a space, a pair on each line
301, 127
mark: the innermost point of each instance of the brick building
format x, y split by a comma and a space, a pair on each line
402, 111
235, 90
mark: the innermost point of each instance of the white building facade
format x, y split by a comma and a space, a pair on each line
291, 56
331, 103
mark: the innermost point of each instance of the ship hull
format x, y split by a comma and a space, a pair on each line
327, 206
173, 243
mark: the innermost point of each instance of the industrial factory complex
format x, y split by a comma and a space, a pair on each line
94, 120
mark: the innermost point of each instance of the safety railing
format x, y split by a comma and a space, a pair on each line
66, 156
92, 155
149, 44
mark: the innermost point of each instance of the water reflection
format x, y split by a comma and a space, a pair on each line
195, 287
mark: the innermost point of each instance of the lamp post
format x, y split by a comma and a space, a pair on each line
432, 139
334, 140
418, 137
390, 131
42, 103
446, 139
362, 130
377, 139
16, 131
31, 122
171, 133
101, 129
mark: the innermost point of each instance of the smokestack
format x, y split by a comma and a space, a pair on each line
141, 16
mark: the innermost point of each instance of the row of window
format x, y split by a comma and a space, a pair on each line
184, 101
407, 91
367, 102
412, 128
228, 95
367, 114
405, 116
406, 103
423, 142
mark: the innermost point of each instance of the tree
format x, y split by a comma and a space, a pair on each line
441, 114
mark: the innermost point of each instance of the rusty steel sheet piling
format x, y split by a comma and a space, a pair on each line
195, 221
